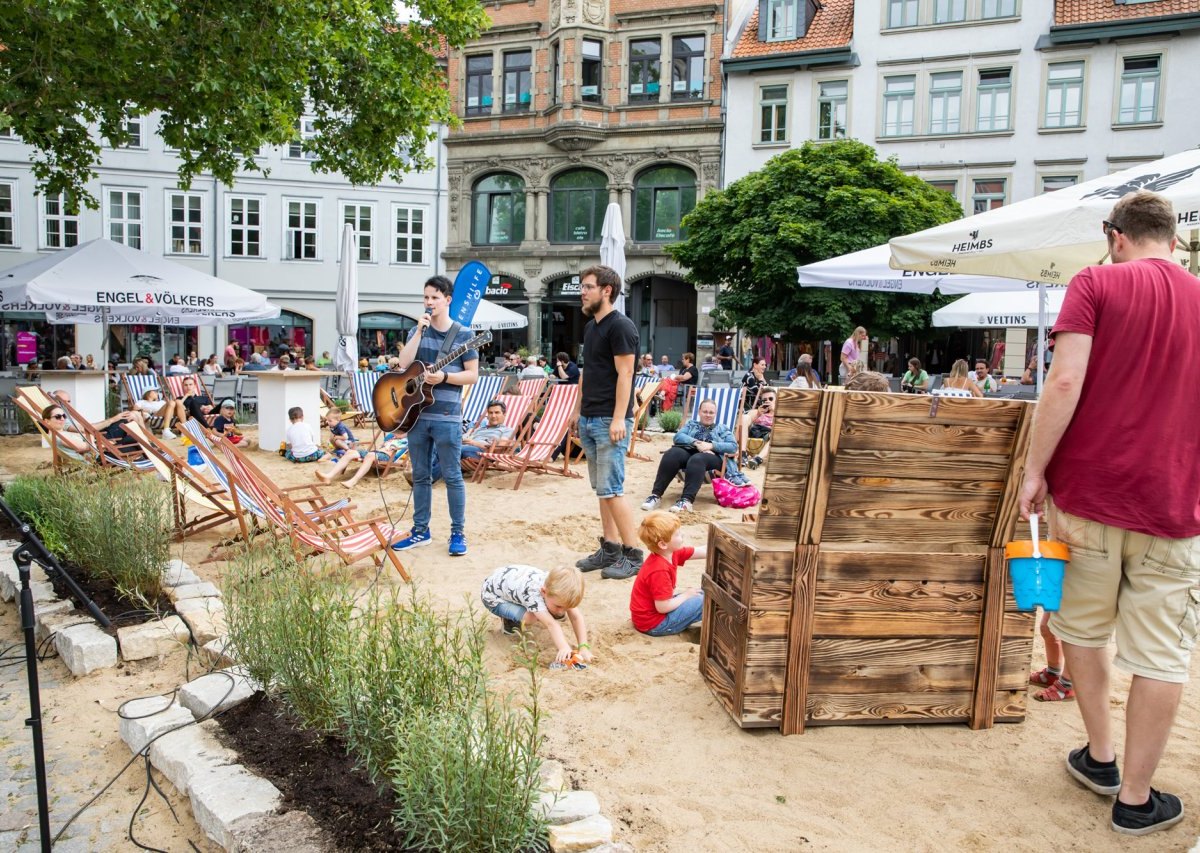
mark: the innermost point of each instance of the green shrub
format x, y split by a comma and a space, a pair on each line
116, 527
406, 685
670, 420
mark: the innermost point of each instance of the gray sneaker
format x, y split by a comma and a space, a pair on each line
1166, 810
605, 555
650, 503
633, 555
620, 570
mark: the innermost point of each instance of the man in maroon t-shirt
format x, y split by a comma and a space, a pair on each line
1116, 445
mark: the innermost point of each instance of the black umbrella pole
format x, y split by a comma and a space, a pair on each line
23, 559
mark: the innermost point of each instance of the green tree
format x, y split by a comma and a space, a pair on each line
805, 205
229, 76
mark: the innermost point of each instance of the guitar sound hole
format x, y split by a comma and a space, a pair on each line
410, 386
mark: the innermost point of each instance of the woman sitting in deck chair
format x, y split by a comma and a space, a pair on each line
385, 451
160, 413
756, 428
701, 446
55, 419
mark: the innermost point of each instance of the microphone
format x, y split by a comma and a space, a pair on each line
428, 310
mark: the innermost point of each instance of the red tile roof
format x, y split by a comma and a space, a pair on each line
832, 26
1068, 12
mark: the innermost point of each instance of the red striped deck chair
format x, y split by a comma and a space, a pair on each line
535, 452
517, 410
532, 388
348, 540
174, 387
643, 397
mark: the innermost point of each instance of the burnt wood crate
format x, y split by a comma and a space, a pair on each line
873, 588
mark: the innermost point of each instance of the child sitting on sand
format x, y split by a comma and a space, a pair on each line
655, 606
340, 434
525, 595
299, 438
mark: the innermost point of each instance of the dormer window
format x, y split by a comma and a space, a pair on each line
785, 20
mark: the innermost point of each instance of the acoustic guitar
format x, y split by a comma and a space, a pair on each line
400, 397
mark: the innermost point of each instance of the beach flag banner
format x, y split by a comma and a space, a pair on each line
468, 291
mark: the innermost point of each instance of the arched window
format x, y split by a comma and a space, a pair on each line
383, 332
499, 210
662, 196
577, 202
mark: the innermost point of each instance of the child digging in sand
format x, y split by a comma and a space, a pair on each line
525, 595
340, 434
301, 443
656, 608
387, 447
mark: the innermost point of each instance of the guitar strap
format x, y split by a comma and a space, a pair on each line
448, 343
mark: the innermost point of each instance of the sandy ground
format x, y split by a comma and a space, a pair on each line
642, 730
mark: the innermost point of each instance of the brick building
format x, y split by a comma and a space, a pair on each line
568, 106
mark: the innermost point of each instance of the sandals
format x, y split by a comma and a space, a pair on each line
1055, 693
1043, 676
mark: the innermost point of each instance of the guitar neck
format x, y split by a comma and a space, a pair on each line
486, 337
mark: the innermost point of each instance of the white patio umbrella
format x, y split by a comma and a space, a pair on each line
994, 310
870, 269
1051, 237
612, 248
489, 315
345, 355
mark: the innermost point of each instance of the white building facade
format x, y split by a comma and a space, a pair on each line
993, 101
279, 235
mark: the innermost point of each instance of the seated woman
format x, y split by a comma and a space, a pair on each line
757, 425
806, 378
699, 447
55, 418
196, 401
152, 406
958, 383
387, 447
915, 380
211, 367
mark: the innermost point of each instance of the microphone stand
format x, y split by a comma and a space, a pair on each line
23, 556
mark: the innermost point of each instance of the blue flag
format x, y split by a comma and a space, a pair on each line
468, 290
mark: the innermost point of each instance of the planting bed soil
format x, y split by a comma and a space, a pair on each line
313, 772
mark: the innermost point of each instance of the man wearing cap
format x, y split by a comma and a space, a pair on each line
224, 423
1122, 465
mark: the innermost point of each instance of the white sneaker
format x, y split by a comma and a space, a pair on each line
682, 506
650, 503
168, 435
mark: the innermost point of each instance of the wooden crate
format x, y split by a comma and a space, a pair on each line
873, 588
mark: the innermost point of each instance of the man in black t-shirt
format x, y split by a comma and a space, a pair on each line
725, 354
605, 420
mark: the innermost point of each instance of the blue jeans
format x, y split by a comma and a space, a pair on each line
469, 451
446, 437
506, 610
605, 460
687, 613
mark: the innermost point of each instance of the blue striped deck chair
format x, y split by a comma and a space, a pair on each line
138, 384
363, 386
729, 409
482, 392
639, 381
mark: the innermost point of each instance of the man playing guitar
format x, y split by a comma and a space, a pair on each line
440, 425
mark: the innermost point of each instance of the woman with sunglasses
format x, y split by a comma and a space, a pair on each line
55, 419
757, 424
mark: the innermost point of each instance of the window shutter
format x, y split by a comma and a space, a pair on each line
762, 20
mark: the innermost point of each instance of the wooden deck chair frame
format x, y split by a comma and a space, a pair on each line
108, 453
517, 417
643, 396
348, 539
548, 434
62, 457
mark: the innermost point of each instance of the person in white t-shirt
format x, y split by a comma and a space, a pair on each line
983, 380
301, 443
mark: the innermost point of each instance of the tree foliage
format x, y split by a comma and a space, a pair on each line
806, 205
228, 76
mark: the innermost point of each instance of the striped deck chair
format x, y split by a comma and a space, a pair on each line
535, 452
729, 410
532, 388
136, 385
487, 388
342, 536
62, 456
174, 386
644, 394
517, 411
246, 501
108, 452
363, 386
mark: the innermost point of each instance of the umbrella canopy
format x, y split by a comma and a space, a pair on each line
869, 269
993, 310
1051, 237
489, 315
345, 355
103, 277
612, 248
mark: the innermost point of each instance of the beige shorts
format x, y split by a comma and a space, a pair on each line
1144, 588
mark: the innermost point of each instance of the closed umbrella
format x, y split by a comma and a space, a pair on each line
612, 248
345, 355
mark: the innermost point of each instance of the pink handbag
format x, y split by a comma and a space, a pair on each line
735, 497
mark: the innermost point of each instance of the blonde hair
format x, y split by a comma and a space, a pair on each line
658, 526
565, 585
959, 370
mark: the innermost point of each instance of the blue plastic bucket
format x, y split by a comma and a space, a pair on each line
1036, 569
194, 458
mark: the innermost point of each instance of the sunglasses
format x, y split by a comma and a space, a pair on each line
59, 417
1108, 227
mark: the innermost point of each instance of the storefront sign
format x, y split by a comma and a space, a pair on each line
26, 347
566, 288
504, 287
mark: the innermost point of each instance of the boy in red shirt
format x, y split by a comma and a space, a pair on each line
654, 605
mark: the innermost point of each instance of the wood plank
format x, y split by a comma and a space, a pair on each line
921, 534
889, 505
832, 708
1016, 662
1010, 706
795, 695
903, 596
768, 680
832, 653
933, 436
915, 486
899, 408
876, 565
867, 679
721, 685
761, 710
1009, 507
920, 465
825, 448
895, 625
767, 624
991, 627
795, 403
1020, 624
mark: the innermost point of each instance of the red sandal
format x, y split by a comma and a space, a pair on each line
1055, 693
1043, 677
